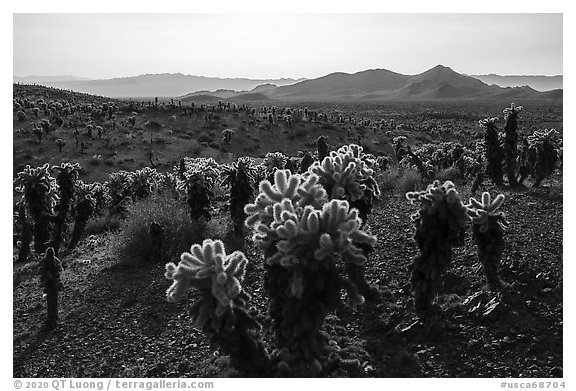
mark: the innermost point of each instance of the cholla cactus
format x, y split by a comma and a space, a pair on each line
84, 207
221, 309
511, 141
240, 178
274, 161
66, 180
119, 191
322, 147
493, 150
60, 143
348, 174
488, 230
197, 190
25, 228
227, 136
440, 225
208, 166
543, 154
306, 161
38, 190
304, 237
143, 182
401, 147
50, 269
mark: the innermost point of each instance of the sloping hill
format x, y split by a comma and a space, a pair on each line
438, 83
161, 85
537, 82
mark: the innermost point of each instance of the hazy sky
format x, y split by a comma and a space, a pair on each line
284, 45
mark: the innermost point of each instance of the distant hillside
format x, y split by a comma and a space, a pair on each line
438, 83
539, 83
158, 85
44, 80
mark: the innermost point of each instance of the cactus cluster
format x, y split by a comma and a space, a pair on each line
440, 225
221, 309
38, 190
488, 231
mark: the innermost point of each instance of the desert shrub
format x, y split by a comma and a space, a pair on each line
450, 174
205, 138
102, 224
409, 180
178, 231
387, 180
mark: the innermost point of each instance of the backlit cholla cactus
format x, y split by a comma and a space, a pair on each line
440, 225
543, 154
66, 177
511, 141
493, 150
322, 147
348, 174
210, 167
50, 268
307, 241
119, 187
197, 190
38, 190
274, 161
240, 178
227, 136
401, 147
221, 310
25, 230
345, 174
84, 207
488, 230
143, 182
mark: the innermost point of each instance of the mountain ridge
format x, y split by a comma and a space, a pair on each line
437, 83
